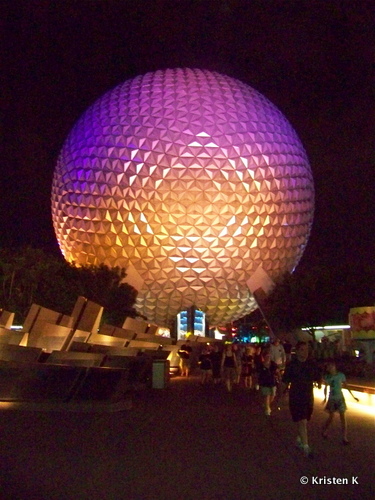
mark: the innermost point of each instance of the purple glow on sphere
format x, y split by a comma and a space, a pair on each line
192, 181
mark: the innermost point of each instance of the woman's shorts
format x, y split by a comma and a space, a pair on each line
230, 373
336, 405
268, 391
184, 363
301, 411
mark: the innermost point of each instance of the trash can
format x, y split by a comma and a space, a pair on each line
160, 373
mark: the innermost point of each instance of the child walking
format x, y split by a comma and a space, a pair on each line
336, 402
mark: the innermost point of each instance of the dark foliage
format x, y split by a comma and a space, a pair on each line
31, 275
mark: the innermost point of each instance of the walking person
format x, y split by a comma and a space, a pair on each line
278, 355
301, 374
238, 351
247, 362
257, 364
267, 379
288, 351
336, 381
215, 356
184, 352
229, 367
205, 366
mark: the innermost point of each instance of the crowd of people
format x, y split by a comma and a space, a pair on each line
234, 362
273, 371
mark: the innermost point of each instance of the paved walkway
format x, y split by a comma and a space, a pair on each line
186, 442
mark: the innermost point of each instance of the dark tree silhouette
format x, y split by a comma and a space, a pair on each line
31, 275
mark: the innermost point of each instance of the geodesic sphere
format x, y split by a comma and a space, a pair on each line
190, 180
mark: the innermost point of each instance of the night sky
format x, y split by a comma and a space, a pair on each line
312, 59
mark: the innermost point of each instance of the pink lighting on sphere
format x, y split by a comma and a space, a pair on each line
192, 181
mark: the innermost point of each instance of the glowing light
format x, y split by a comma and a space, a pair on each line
193, 180
331, 327
336, 327
218, 335
365, 405
4, 405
